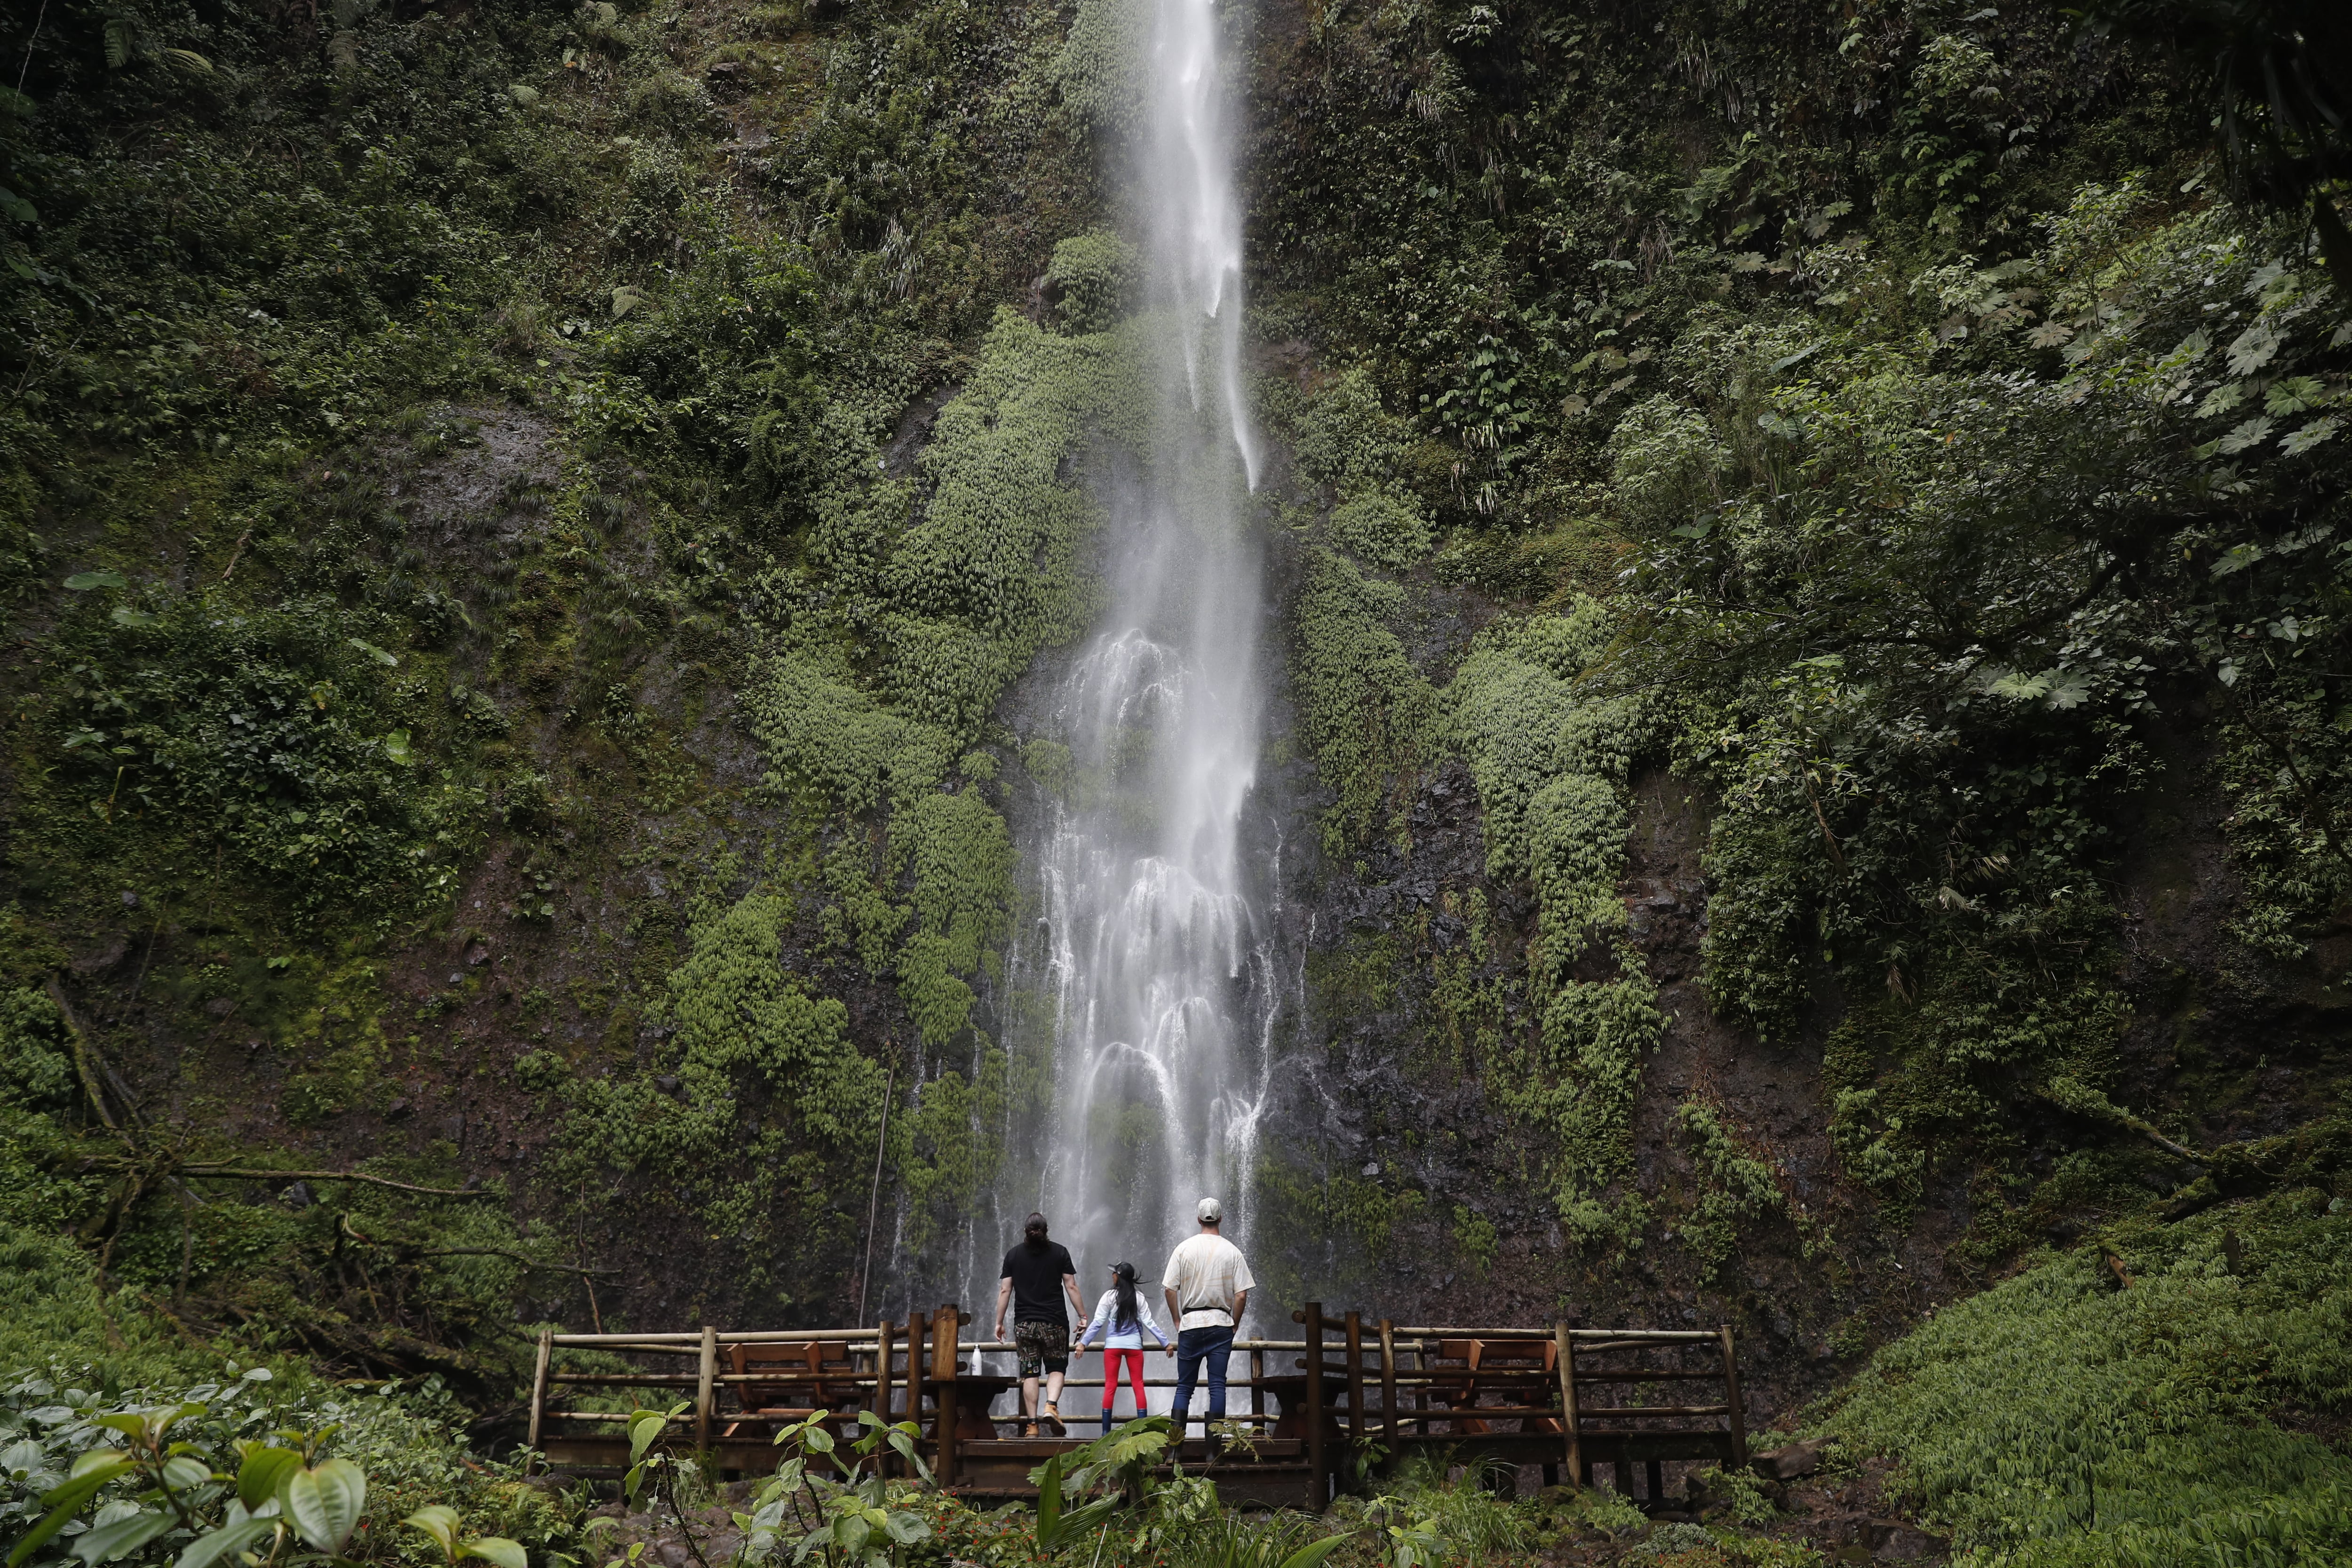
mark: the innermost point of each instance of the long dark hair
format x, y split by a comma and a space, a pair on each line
1122, 1285
1032, 1231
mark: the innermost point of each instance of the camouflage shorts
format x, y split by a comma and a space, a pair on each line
1043, 1347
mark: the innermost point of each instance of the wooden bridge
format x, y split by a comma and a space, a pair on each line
1557, 1397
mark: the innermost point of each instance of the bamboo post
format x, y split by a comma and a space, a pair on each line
1317, 1462
539, 1387
945, 1322
944, 1370
705, 1400
918, 1335
1731, 1398
1355, 1330
882, 1390
1388, 1386
1257, 1392
1569, 1420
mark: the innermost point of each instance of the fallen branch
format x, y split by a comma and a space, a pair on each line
502, 1252
2178, 1151
215, 1173
2073, 1095
237, 554
83, 1053
344, 1222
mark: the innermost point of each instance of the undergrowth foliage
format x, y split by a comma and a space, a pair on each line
2116, 1404
92, 1471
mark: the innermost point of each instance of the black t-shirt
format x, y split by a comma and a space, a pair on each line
1036, 1273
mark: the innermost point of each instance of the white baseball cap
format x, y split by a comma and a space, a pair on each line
1209, 1211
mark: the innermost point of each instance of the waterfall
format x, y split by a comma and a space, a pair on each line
1152, 963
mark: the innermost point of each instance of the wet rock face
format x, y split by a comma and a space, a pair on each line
1377, 1104
1428, 1203
1403, 1189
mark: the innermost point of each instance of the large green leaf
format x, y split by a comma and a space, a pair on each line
65, 1502
643, 1427
263, 1473
441, 1523
1049, 1504
1313, 1553
325, 1503
496, 1549
109, 1542
184, 1470
104, 1463
229, 1538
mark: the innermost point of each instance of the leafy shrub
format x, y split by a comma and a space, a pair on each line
1092, 280
195, 1469
52, 1309
36, 1059
542, 1070
672, 101
267, 732
2067, 1416
1366, 715
1381, 528
759, 1102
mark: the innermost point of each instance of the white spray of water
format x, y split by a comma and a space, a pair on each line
1160, 968
1186, 177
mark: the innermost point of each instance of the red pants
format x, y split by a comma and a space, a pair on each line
1134, 1362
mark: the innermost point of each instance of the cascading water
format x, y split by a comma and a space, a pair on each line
1153, 960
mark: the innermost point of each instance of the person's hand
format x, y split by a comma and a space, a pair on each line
999, 1334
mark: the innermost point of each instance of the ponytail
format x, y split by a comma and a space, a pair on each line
1122, 1285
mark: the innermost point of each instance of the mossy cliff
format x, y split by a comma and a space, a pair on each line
1808, 543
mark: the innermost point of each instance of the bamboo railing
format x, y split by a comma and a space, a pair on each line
1528, 1396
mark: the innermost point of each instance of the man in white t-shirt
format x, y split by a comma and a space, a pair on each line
1207, 1285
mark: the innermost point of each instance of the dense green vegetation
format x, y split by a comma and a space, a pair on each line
517, 523
1953, 460
403, 525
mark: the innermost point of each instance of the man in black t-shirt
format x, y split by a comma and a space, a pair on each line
1034, 1269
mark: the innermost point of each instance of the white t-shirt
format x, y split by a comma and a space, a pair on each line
1207, 1273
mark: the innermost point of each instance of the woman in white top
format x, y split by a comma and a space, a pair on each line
1123, 1316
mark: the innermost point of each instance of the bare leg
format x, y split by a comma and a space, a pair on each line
1053, 1389
1029, 1397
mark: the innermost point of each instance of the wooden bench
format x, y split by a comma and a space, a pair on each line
787, 1383
1513, 1384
